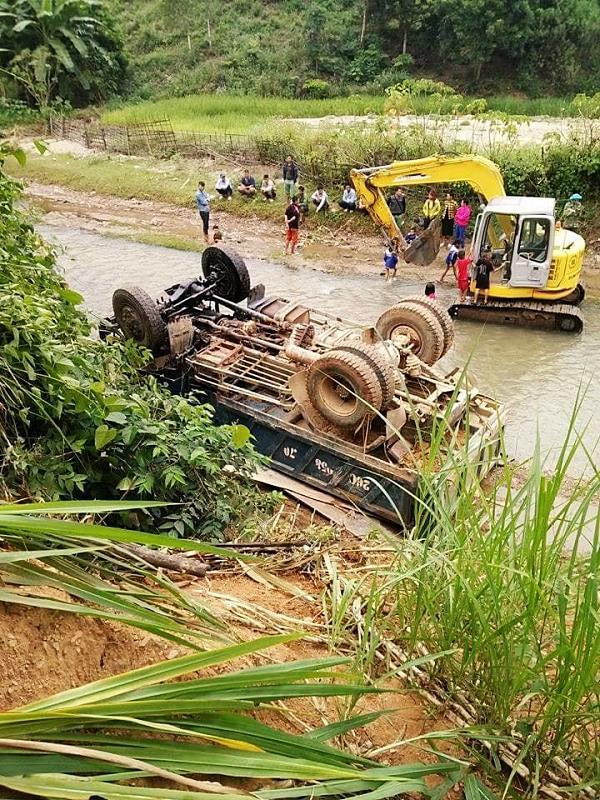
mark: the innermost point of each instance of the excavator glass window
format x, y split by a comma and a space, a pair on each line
535, 239
499, 236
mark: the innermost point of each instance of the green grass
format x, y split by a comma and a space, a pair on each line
171, 182
222, 113
237, 113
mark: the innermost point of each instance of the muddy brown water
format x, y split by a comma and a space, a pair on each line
540, 375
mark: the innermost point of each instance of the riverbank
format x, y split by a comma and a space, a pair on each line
151, 201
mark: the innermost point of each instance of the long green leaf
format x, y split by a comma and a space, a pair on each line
85, 611
328, 732
66, 787
156, 673
62, 53
272, 674
14, 556
475, 790
68, 528
78, 506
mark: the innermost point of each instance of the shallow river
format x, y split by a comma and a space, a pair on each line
537, 373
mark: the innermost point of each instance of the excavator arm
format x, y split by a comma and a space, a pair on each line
370, 185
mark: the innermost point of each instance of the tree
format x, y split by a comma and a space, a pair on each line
68, 43
399, 19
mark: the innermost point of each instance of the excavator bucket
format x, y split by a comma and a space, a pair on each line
425, 247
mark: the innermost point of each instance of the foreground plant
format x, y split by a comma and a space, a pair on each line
94, 738
502, 586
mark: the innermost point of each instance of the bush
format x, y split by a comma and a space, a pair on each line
316, 88
78, 420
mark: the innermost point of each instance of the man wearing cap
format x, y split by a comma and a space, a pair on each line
573, 212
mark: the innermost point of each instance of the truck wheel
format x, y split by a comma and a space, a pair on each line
139, 317
344, 388
229, 272
442, 316
380, 364
419, 325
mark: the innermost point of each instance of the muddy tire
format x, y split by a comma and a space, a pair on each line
344, 388
419, 324
442, 316
229, 271
139, 318
380, 364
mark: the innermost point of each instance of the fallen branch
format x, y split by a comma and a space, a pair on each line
189, 566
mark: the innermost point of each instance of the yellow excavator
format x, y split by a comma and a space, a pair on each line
539, 262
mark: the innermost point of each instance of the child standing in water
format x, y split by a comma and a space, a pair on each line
390, 262
451, 259
462, 275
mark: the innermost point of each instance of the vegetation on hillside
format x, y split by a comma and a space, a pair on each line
319, 47
76, 51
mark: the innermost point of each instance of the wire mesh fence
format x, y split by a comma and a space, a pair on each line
158, 138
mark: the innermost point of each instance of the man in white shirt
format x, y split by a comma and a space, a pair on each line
223, 186
320, 199
348, 201
267, 189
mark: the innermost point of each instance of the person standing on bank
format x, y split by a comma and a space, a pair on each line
292, 224
431, 208
397, 205
203, 206
450, 207
290, 176
462, 216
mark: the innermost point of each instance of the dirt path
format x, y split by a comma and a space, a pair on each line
341, 253
480, 133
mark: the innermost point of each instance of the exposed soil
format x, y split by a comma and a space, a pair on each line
43, 652
341, 252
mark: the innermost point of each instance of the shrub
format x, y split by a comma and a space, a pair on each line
316, 88
78, 420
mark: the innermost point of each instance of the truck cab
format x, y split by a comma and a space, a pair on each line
519, 231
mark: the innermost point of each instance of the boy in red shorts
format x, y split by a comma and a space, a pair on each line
292, 224
462, 274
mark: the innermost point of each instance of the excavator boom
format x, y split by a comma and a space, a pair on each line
370, 185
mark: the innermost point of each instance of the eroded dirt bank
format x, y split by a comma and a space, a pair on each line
341, 252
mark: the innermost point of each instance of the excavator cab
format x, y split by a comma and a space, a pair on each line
519, 231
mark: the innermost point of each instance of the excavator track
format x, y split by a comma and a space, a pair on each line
544, 316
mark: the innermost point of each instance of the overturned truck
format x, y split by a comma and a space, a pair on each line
350, 410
